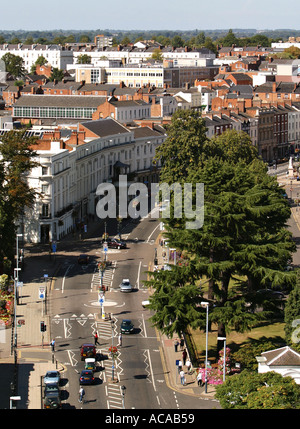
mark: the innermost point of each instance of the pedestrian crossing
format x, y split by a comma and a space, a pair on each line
107, 278
112, 367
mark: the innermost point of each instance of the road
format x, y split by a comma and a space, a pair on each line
76, 315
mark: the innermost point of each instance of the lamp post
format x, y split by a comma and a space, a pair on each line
17, 260
206, 304
224, 361
16, 281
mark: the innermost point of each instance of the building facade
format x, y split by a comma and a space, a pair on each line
73, 162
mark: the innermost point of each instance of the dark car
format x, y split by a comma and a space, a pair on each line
83, 259
51, 398
115, 243
87, 377
270, 294
87, 351
126, 326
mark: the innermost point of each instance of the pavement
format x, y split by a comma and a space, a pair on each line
33, 355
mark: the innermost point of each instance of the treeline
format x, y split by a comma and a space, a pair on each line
241, 37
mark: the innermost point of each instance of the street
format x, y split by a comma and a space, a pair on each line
135, 379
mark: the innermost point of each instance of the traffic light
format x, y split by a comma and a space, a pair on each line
43, 326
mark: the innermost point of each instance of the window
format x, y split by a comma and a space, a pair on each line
45, 189
45, 210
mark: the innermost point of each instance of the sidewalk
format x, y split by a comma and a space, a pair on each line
169, 356
34, 356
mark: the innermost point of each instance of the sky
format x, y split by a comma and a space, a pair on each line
153, 15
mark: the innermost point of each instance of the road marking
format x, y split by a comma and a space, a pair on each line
151, 370
148, 239
64, 278
67, 328
138, 277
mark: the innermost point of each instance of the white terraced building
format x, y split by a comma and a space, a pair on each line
68, 174
57, 56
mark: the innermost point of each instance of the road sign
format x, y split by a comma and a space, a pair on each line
105, 248
101, 300
42, 293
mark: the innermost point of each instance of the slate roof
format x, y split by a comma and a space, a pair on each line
60, 101
284, 356
105, 127
285, 87
142, 132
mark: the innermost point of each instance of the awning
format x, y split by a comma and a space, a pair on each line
121, 164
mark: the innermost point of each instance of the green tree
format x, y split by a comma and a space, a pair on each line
84, 59
14, 65
125, 41
16, 161
41, 61
157, 55
84, 39
29, 41
56, 74
243, 234
249, 390
209, 44
230, 39
177, 42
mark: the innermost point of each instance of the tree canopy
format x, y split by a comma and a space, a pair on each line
16, 160
14, 65
249, 390
243, 244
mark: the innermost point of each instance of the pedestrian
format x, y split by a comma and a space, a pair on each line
120, 340
176, 344
81, 394
53, 344
179, 366
182, 377
184, 356
199, 379
96, 338
188, 366
181, 343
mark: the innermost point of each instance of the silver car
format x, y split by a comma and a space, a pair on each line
52, 377
125, 286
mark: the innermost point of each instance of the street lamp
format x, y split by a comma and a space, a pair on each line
224, 365
206, 304
17, 260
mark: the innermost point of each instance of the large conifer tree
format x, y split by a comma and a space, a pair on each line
243, 233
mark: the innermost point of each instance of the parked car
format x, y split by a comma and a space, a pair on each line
87, 377
270, 293
51, 397
126, 326
52, 377
87, 350
125, 286
115, 243
83, 259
